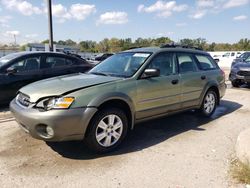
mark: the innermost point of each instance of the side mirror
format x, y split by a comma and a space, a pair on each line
217, 61
149, 73
11, 71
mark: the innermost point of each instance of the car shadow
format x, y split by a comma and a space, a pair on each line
147, 134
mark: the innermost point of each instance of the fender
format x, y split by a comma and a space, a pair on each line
210, 84
96, 102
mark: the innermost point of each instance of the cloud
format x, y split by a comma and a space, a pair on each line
11, 33
162, 8
165, 34
199, 14
240, 18
113, 18
31, 36
205, 3
24, 7
76, 11
62, 13
4, 20
59, 11
181, 24
235, 3
81, 11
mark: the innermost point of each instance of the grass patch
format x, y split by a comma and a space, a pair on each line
241, 172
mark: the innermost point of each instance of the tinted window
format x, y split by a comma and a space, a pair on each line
186, 63
232, 54
205, 62
27, 64
165, 63
53, 62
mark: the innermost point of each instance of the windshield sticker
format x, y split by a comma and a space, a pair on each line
141, 55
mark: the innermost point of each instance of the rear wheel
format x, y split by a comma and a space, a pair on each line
107, 130
209, 103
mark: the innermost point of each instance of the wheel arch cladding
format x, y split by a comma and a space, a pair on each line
211, 86
118, 100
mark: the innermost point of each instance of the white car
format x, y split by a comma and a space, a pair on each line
227, 58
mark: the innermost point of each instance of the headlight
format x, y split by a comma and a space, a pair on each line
58, 103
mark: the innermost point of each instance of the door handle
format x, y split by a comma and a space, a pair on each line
203, 77
174, 82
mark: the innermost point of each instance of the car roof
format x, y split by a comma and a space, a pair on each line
36, 52
167, 49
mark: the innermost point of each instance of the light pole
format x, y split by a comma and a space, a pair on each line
14, 40
51, 46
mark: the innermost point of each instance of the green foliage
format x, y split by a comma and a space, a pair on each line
116, 45
22, 48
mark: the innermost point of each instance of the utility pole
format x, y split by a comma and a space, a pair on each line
50, 23
14, 40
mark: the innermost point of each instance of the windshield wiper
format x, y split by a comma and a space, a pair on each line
99, 73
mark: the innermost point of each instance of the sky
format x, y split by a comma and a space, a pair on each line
224, 21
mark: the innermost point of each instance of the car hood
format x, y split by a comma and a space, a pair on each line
243, 66
238, 59
63, 85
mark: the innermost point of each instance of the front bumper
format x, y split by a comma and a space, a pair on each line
234, 76
68, 124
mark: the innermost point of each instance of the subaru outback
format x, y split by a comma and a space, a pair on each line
129, 87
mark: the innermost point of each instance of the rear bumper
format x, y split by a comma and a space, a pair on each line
222, 89
69, 124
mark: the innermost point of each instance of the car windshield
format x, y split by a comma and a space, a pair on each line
5, 59
121, 65
244, 55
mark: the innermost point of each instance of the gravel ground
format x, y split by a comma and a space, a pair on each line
183, 150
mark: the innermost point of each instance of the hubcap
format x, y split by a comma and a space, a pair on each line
109, 130
209, 103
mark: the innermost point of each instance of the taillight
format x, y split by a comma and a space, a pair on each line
223, 73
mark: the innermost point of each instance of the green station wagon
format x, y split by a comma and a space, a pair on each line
129, 87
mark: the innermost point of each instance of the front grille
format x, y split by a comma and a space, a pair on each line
244, 73
23, 99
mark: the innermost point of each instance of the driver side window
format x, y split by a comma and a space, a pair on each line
164, 62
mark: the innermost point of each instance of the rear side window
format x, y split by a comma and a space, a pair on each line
205, 62
54, 62
186, 63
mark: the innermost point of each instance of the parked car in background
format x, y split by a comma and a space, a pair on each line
240, 73
127, 88
99, 58
242, 58
227, 58
20, 69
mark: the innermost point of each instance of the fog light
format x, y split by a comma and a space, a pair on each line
50, 131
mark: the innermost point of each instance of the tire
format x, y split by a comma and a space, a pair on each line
235, 83
209, 103
107, 130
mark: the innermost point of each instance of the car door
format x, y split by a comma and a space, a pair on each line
192, 79
159, 95
27, 70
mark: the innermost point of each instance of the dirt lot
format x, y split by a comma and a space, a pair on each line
184, 150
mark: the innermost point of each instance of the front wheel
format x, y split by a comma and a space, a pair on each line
236, 83
107, 130
209, 103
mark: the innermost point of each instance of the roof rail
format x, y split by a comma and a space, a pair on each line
174, 45
134, 47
